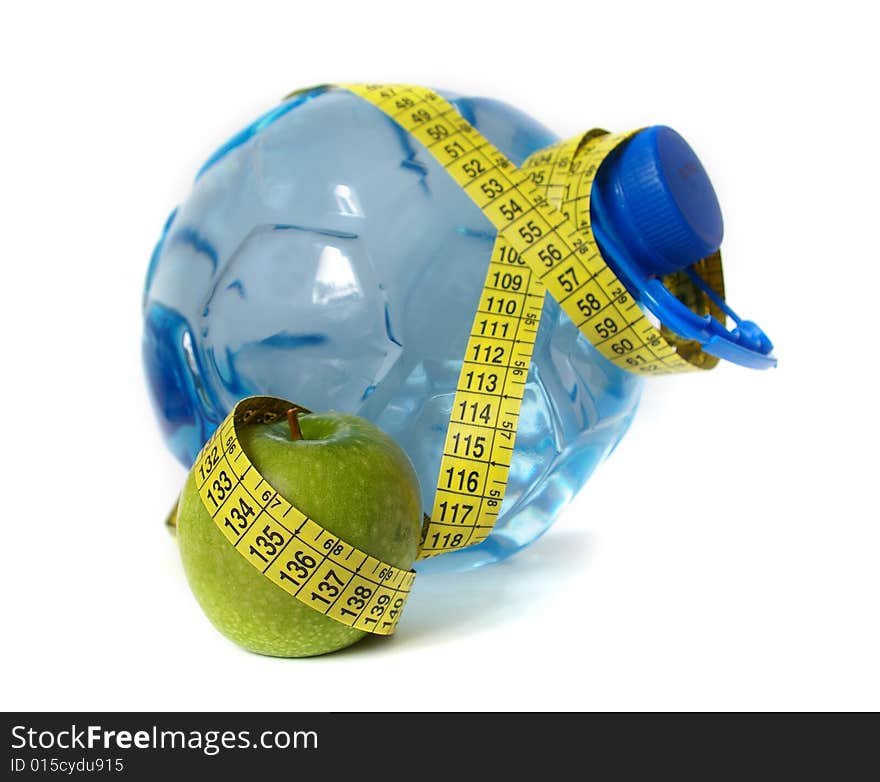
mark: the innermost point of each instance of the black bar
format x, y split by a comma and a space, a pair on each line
399, 747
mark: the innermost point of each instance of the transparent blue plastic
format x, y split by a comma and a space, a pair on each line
323, 256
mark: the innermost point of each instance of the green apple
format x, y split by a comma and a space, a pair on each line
344, 473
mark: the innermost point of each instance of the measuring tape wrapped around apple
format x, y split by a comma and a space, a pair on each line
345, 552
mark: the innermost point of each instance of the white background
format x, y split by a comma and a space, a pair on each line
755, 588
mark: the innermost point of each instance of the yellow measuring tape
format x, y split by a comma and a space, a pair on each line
544, 244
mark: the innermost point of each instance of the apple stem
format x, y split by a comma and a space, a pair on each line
293, 423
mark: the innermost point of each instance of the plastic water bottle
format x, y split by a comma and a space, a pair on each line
323, 256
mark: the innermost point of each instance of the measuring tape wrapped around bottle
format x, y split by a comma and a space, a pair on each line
545, 244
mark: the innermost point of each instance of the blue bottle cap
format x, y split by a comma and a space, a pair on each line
653, 212
661, 203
